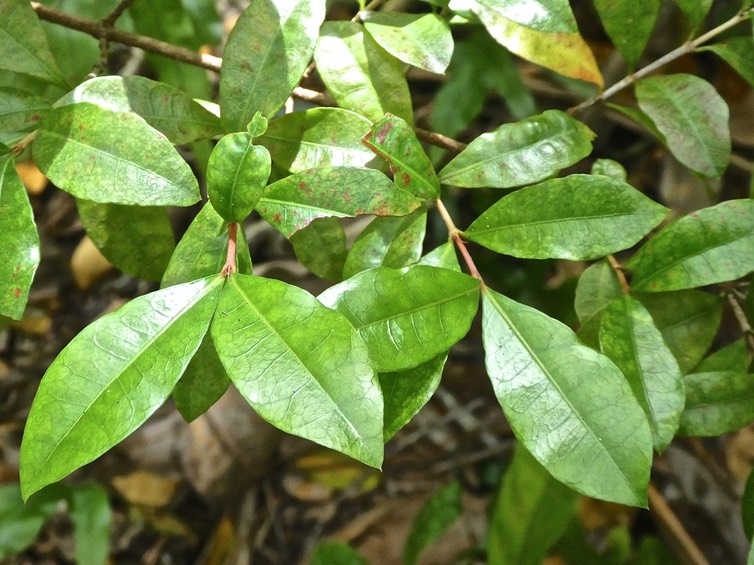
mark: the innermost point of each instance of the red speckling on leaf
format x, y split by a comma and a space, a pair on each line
277, 217
383, 131
17, 292
346, 197
406, 179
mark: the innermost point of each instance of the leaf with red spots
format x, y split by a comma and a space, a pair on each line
19, 242
19, 110
395, 141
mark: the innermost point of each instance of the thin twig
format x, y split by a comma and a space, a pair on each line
743, 321
113, 16
673, 527
230, 261
619, 273
455, 234
684, 49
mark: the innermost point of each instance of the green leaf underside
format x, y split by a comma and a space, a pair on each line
609, 168
114, 157
629, 24
694, 10
90, 512
294, 202
713, 245
336, 553
138, 240
576, 217
688, 321
630, 339
301, 366
421, 40
20, 110
203, 250
598, 286
530, 513
437, 515
520, 153
165, 108
19, 242
388, 242
692, 117
237, 174
202, 384
24, 45
406, 392
395, 141
736, 51
406, 316
732, 357
21, 522
111, 378
266, 54
569, 405
318, 137
321, 248
717, 403
361, 75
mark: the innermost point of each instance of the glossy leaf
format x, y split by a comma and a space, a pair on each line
598, 286
521, 153
95, 392
576, 217
443, 256
530, 513
92, 518
437, 515
318, 137
23, 45
19, 110
692, 117
388, 242
321, 248
421, 40
173, 112
541, 32
19, 242
335, 553
629, 337
395, 141
406, 316
138, 240
202, 384
713, 245
265, 56
237, 174
406, 392
361, 75
566, 403
688, 321
301, 366
695, 10
609, 168
112, 157
294, 202
736, 51
21, 522
629, 24
203, 250
732, 357
717, 403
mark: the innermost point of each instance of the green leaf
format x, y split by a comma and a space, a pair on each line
92, 517
294, 202
406, 316
301, 366
318, 137
138, 240
566, 403
629, 337
321, 248
732, 357
395, 141
19, 110
21, 523
203, 250
406, 392
173, 112
695, 10
543, 32
114, 157
361, 75
530, 513
95, 392
521, 153
713, 245
388, 242
266, 54
23, 45
19, 242
443, 256
202, 384
688, 321
747, 506
717, 403
577, 217
692, 117
335, 553
629, 24
609, 168
736, 51
437, 515
598, 286
421, 40
237, 174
